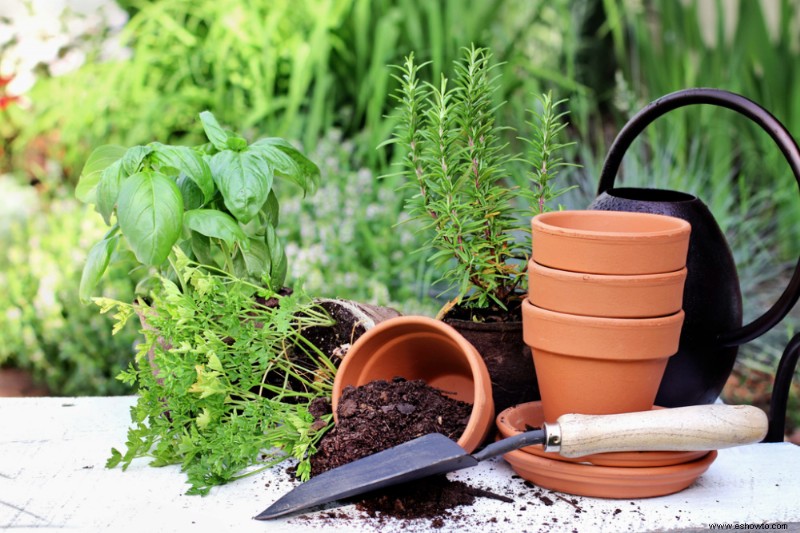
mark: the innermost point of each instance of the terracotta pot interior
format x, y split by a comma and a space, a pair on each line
426, 349
435, 359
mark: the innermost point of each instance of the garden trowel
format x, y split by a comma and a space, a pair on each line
699, 427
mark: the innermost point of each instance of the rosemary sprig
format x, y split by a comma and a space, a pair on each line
454, 157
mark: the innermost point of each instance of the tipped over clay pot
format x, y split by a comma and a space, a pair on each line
606, 295
610, 242
417, 347
597, 365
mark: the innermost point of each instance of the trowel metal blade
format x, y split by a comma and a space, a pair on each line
425, 456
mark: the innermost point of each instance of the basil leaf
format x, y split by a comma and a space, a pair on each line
150, 214
271, 209
236, 143
95, 267
240, 266
216, 224
133, 158
191, 193
244, 179
256, 258
288, 163
100, 159
278, 265
108, 190
201, 248
189, 163
214, 132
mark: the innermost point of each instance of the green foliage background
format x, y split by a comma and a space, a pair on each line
316, 71
66, 345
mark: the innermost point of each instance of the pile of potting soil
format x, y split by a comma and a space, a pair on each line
383, 414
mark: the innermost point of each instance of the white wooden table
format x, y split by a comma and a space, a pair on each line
52, 476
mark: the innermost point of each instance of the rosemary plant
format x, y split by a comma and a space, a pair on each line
454, 155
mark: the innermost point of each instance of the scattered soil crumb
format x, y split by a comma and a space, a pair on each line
545, 500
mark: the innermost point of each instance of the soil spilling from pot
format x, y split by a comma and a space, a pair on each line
383, 414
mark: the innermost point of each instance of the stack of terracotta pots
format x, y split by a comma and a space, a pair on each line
602, 318
603, 313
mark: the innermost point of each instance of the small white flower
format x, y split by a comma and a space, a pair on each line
20, 83
373, 211
7, 34
69, 62
113, 50
364, 178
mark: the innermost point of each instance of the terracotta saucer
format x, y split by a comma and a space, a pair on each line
607, 481
517, 419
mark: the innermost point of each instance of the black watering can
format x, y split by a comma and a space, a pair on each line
713, 329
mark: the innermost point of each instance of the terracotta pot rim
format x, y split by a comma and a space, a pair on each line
603, 322
664, 278
608, 481
672, 228
482, 414
590, 471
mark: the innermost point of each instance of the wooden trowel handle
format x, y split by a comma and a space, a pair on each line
697, 427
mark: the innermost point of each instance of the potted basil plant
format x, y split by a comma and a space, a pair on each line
215, 201
454, 159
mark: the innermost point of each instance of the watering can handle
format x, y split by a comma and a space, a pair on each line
768, 123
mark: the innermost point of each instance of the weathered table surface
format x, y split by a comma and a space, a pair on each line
52, 476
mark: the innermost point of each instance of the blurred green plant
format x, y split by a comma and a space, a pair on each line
39, 40
294, 68
352, 239
46, 329
752, 51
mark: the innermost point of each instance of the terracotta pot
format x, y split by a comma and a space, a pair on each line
19, 383
605, 295
597, 365
610, 242
417, 347
507, 358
